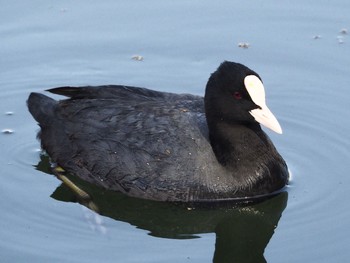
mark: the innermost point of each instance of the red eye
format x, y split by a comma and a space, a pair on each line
237, 95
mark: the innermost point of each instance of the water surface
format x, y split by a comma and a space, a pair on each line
297, 48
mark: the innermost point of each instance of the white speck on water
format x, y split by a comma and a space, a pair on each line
344, 31
340, 39
9, 113
7, 131
243, 45
137, 58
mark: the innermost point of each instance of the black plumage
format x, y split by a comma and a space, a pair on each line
163, 146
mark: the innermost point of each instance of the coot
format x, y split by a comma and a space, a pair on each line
165, 146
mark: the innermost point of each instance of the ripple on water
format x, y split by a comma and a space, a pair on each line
33, 217
316, 150
313, 143
21, 152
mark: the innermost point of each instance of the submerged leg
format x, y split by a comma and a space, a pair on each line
83, 197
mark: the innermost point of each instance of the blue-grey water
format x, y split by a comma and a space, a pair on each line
301, 49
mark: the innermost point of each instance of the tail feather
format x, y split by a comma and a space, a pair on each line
68, 91
42, 108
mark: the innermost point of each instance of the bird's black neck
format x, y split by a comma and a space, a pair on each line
235, 142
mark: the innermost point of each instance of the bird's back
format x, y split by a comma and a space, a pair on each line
142, 142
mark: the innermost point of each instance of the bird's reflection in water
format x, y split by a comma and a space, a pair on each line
242, 230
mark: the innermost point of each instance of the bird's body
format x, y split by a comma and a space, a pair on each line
160, 146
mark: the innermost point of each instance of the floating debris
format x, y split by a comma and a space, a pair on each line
7, 131
137, 58
340, 39
243, 45
317, 37
343, 31
9, 113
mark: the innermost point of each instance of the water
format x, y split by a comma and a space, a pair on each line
296, 47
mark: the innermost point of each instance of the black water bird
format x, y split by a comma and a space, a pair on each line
165, 146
